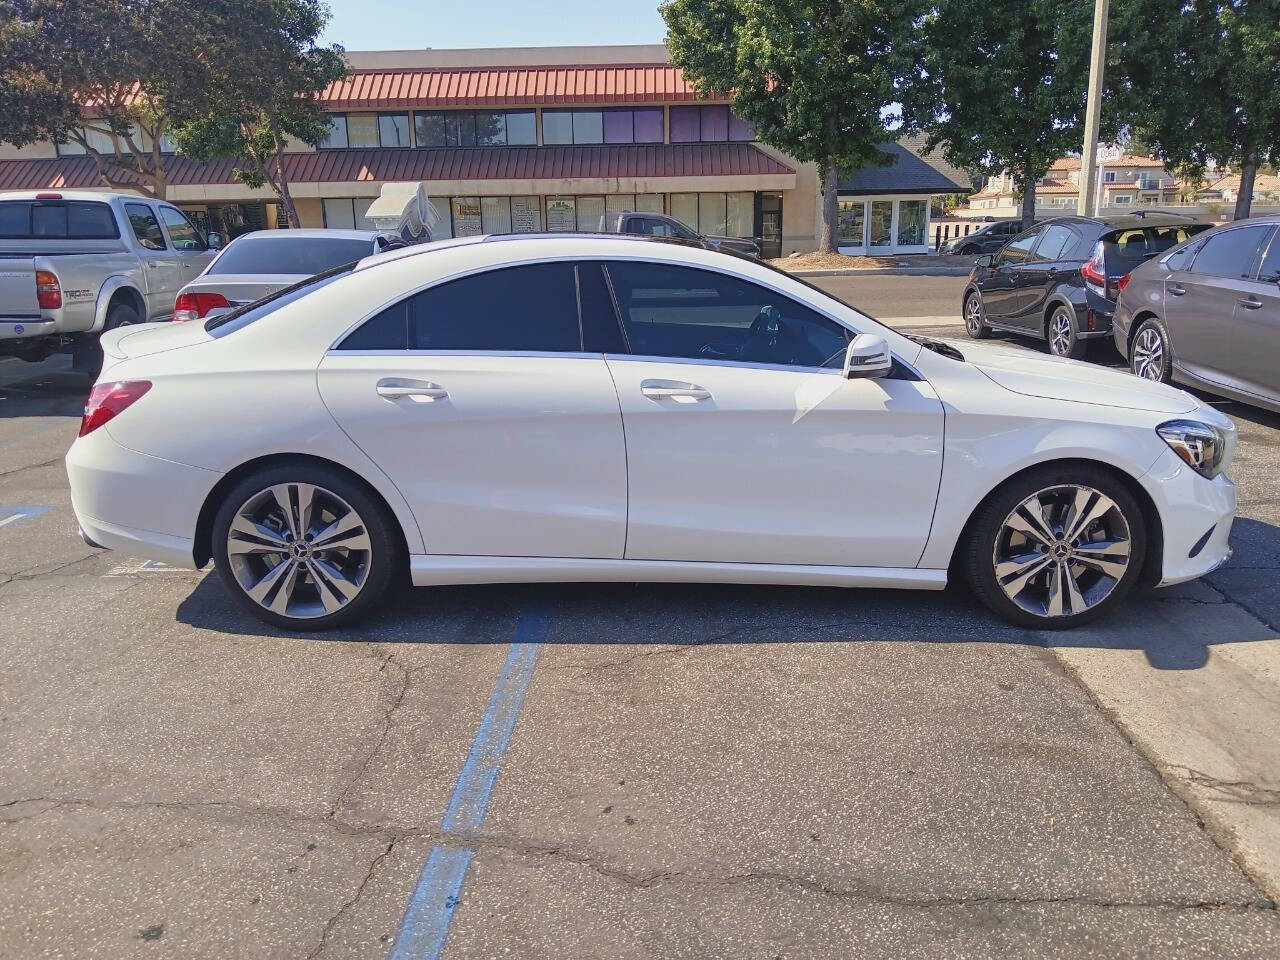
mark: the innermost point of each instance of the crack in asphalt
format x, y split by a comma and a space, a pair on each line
31, 466
1228, 791
35, 573
385, 729
346, 907
1260, 617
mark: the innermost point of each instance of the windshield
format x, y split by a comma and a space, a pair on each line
290, 255
241, 317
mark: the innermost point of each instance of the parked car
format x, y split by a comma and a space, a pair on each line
256, 264
986, 239
1207, 314
609, 408
660, 225
76, 263
1059, 280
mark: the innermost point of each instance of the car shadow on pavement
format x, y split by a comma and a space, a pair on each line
1174, 628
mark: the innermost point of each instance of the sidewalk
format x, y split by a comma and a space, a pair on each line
835, 265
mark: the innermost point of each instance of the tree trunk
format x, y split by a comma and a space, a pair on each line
829, 241
1028, 202
1244, 199
282, 177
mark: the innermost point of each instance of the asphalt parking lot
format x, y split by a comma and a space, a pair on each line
627, 770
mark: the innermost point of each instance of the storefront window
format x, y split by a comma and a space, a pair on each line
684, 207
522, 128
557, 126
911, 222
649, 203
393, 129
526, 214
881, 223
345, 213
562, 215
742, 215
443, 227
616, 204
591, 214
491, 129
466, 217
588, 126
852, 222
713, 211
362, 129
495, 214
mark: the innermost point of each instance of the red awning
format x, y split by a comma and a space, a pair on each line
508, 86
475, 163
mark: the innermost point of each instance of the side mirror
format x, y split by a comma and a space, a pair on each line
867, 357
987, 261
214, 240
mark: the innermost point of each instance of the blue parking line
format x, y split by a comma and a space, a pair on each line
11, 515
425, 925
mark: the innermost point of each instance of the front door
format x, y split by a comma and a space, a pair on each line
744, 442
1255, 333
1049, 263
769, 224
1200, 300
476, 398
193, 252
1002, 292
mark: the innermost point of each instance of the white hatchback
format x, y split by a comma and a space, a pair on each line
613, 408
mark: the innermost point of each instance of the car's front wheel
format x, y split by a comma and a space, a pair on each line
304, 547
1149, 357
974, 324
1055, 547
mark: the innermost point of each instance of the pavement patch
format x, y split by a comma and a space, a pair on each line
425, 926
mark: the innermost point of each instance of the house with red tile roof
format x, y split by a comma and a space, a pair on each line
1131, 180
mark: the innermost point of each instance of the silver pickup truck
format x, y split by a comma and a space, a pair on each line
76, 263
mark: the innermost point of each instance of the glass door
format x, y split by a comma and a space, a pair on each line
769, 225
852, 224
880, 232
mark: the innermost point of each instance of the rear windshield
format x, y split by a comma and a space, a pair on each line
241, 317
290, 255
56, 220
1125, 249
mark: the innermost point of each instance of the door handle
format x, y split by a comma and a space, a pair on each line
1249, 303
1177, 289
674, 390
417, 390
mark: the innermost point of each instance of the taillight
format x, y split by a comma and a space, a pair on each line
1096, 270
107, 400
1123, 282
193, 306
48, 292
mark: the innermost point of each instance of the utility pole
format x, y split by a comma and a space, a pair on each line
1093, 111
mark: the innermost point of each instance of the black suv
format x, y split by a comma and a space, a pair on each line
1060, 279
986, 239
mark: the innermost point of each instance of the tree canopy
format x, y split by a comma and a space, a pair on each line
1000, 85
1200, 82
819, 79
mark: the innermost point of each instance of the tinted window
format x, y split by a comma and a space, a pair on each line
1230, 253
1125, 249
297, 255
601, 332
15, 219
74, 219
393, 129
1057, 243
182, 234
145, 227
1180, 259
521, 309
1270, 272
670, 311
1018, 249
91, 221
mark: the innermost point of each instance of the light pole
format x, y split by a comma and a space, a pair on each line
1093, 111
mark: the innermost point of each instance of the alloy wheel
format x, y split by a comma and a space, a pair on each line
1060, 334
1062, 551
973, 315
1148, 355
299, 550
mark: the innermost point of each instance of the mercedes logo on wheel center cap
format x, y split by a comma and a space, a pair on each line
301, 550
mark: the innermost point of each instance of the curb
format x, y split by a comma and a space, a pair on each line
883, 272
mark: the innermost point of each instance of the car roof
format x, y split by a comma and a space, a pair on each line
1136, 220
555, 244
57, 194
307, 233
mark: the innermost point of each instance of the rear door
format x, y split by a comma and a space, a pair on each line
162, 267
1256, 330
476, 398
192, 250
1200, 300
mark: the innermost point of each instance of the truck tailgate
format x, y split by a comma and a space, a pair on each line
18, 289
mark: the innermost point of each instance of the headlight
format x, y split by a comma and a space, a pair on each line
1202, 446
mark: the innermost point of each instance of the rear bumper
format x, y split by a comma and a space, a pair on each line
12, 328
142, 505
1196, 515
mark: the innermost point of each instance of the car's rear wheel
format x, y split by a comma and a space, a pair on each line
974, 324
1056, 547
120, 315
1149, 357
1062, 336
304, 547
971, 250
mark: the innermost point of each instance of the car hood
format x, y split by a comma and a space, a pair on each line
1053, 378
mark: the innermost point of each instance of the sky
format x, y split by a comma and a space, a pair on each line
408, 25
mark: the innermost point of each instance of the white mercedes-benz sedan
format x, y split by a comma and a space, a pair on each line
591, 408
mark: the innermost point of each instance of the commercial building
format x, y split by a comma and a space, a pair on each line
523, 139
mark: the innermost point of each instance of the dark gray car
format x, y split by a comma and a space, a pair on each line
987, 239
1207, 314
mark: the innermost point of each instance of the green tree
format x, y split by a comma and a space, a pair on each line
1201, 82
269, 72
1000, 85
819, 79
103, 74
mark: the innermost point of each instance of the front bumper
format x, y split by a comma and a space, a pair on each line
141, 505
1196, 515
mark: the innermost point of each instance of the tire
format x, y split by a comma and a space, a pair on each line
1018, 574
971, 250
974, 323
1149, 353
1064, 339
120, 315
321, 589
